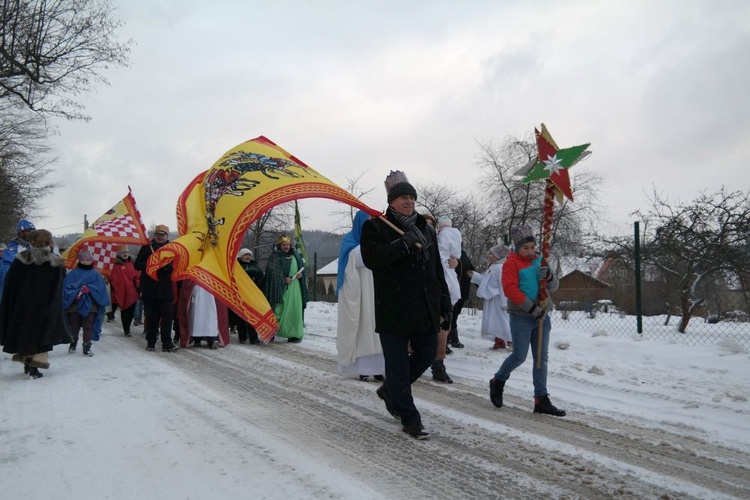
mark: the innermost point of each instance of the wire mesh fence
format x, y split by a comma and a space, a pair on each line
609, 320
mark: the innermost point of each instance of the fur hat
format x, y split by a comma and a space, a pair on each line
122, 249
39, 238
500, 251
161, 228
396, 184
245, 251
522, 235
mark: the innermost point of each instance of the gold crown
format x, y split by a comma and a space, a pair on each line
394, 178
283, 238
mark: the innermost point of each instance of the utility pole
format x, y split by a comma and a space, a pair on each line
85, 222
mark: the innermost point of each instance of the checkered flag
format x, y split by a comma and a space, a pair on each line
120, 225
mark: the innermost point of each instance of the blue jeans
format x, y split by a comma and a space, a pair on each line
525, 335
402, 369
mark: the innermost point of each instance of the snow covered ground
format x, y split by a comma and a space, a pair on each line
276, 421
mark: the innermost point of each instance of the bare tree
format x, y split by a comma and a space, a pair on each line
54, 50
24, 164
514, 202
347, 213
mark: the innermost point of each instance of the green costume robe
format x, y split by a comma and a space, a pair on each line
288, 301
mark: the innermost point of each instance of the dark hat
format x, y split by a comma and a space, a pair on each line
396, 184
522, 235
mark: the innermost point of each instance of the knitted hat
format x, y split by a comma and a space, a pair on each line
122, 249
245, 251
84, 255
522, 235
161, 228
500, 251
24, 225
396, 184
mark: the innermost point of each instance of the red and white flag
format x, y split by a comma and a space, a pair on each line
120, 225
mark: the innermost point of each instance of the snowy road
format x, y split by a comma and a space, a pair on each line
277, 421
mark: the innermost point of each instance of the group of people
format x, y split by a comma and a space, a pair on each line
400, 279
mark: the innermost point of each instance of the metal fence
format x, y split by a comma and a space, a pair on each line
608, 320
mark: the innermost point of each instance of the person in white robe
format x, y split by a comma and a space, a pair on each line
358, 346
449, 246
495, 319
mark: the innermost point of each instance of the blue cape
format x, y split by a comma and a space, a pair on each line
74, 280
348, 243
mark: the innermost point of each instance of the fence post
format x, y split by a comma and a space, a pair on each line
315, 276
637, 247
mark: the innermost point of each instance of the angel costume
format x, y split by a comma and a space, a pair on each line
449, 245
495, 319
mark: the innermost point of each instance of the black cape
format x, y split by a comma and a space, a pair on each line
31, 314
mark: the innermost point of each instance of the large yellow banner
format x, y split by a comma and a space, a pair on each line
215, 210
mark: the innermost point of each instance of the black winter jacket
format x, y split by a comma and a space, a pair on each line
410, 289
151, 289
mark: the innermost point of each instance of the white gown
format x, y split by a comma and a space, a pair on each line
495, 319
359, 349
203, 321
449, 245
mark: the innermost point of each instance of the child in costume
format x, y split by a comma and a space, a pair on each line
495, 320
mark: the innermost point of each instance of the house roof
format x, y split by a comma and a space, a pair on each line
330, 269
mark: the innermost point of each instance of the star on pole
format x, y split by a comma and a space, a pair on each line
553, 163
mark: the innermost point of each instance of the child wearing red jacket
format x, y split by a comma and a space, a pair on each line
520, 279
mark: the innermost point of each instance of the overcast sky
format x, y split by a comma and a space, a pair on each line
658, 87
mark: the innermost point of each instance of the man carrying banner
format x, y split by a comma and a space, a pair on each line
157, 294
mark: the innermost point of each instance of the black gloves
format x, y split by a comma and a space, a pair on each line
413, 236
537, 312
447, 319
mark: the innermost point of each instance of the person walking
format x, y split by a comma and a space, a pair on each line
521, 275
412, 301
449, 245
125, 282
31, 311
245, 330
464, 280
495, 320
16, 245
157, 294
358, 347
85, 300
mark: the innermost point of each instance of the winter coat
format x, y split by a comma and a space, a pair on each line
31, 312
154, 289
410, 289
15, 246
254, 271
520, 280
464, 266
125, 282
96, 300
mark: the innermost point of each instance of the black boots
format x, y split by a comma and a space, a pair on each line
87, 349
453, 339
439, 374
416, 431
72, 347
496, 392
34, 372
543, 405
383, 394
